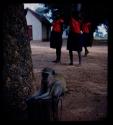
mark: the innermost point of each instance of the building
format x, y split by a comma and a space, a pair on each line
38, 26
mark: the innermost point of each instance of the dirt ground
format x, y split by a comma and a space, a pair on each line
86, 99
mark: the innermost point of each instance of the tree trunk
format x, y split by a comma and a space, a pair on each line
17, 63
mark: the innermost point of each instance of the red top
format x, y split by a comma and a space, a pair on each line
75, 25
86, 27
57, 25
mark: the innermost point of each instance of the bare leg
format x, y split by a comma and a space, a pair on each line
79, 56
58, 55
86, 51
71, 57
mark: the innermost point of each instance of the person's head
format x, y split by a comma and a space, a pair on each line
76, 15
57, 15
78, 7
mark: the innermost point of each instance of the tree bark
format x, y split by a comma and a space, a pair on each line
17, 72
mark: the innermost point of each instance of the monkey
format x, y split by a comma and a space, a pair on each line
53, 86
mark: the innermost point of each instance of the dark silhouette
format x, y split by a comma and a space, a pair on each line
87, 35
56, 36
74, 42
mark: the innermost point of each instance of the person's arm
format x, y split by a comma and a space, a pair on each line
62, 28
62, 25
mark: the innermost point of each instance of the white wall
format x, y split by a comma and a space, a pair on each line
36, 26
44, 32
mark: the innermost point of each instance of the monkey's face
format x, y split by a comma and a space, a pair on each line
47, 79
47, 76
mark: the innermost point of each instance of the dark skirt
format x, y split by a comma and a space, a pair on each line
74, 42
87, 39
56, 40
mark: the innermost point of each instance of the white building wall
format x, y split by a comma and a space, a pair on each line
44, 32
36, 26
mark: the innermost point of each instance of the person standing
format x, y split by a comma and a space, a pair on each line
74, 42
87, 35
56, 37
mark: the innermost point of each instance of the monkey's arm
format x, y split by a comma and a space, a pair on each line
42, 96
37, 94
57, 89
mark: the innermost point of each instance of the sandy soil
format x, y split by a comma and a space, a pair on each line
86, 99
